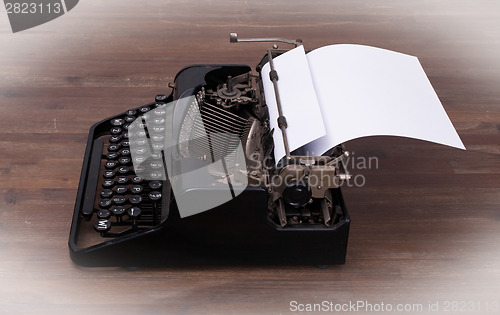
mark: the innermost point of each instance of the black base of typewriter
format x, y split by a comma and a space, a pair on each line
235, 233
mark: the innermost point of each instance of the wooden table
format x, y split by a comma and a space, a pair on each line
425, 226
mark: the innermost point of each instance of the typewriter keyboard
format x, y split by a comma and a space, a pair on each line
127, 198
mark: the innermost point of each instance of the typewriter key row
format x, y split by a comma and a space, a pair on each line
131, 196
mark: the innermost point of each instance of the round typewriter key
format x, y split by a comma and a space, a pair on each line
156, 165
144, 109
114, 138
135, 199
106, 193
129, 119
116, 130
158, 146
134, 212
137, 179
160, 98
140, 150
110, 165
158, 137
118, 200
118, 210
102, 225
139, 169
109, 174
156, 156
158, 129
131, 112
103, 214
125, 143
113, 147
104, 203
125, 135
136, 189
112, 155
159, 120
160, 112
126, 126
154, 195
141, 134
141, 141
156, 175
121, 189
117, 122
124, 160
124, 151
156, 184
107, 183
123, 169
139, 159
122, 180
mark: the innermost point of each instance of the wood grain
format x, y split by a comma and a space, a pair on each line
425, 226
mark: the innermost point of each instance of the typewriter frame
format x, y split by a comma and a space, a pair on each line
237, 232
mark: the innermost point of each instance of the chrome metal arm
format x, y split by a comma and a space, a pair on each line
233, 38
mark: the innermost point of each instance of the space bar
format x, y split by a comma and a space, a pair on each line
92, 178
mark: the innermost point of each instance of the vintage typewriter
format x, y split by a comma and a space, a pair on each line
191, 178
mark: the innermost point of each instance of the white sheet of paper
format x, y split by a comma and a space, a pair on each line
362, 91
298, 100
368, 91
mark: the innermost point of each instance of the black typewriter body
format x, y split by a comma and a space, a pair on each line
122, 218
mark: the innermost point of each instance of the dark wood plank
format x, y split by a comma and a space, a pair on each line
426, 224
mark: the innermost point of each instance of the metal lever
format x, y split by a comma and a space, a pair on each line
233, 38
282, 124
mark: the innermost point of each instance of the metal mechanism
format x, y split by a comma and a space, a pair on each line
233, 38
205, 120
300, 190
